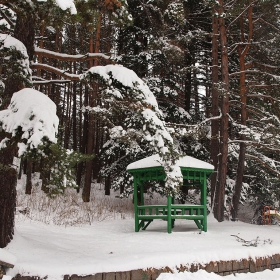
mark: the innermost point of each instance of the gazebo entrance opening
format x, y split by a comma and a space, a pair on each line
194, 171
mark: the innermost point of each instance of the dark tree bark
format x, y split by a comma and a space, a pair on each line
24, 31
8, 180
28, 187
223, 155
91, 122
214, 146
188, 82
107, 185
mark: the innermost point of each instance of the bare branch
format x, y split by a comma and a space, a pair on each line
268, 23
46, 82
62, 73
168, 124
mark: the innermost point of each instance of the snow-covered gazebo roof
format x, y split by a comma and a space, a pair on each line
183, 162
195, 173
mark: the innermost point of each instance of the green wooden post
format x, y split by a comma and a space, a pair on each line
169, 225
141, 193
136, 204
204, 201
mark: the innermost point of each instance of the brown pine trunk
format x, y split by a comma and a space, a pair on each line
222, 168
243, 91
91, 122
82, 133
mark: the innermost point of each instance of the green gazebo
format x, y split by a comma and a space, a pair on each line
195, 173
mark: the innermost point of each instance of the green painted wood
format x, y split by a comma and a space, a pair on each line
199, 225
193, 177
136, 219
144, 228
152, 217
169, 224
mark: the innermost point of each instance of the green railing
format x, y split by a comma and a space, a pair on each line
147, 213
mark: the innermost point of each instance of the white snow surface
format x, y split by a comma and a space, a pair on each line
7, 257
155, 161
35, 113
112, 245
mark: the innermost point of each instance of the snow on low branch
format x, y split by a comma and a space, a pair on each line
8, 42
34, 115
69, 57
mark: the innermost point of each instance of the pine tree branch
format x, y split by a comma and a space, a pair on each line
68, 57
264, 164
62, 73
47, 82
7, 18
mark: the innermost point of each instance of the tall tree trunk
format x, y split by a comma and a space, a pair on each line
223, 155
188, 82
243, 91
215, 103
91, 132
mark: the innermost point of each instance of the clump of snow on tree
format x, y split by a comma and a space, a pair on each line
33, 113
9, 42
67, 4
126, 78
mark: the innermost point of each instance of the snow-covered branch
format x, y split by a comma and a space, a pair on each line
62, 73
34, 115
76, 57
177, 125
263, 163
47, 82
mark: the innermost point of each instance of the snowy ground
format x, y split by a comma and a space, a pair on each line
111, 244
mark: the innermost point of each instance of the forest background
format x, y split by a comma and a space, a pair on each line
213, 67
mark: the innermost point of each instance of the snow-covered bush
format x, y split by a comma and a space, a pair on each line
32, 117
134, 124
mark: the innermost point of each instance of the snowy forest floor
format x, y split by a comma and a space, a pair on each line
65, 236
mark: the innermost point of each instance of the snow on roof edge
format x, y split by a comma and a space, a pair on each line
185, 161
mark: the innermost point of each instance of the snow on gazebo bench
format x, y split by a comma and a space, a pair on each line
194, 171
